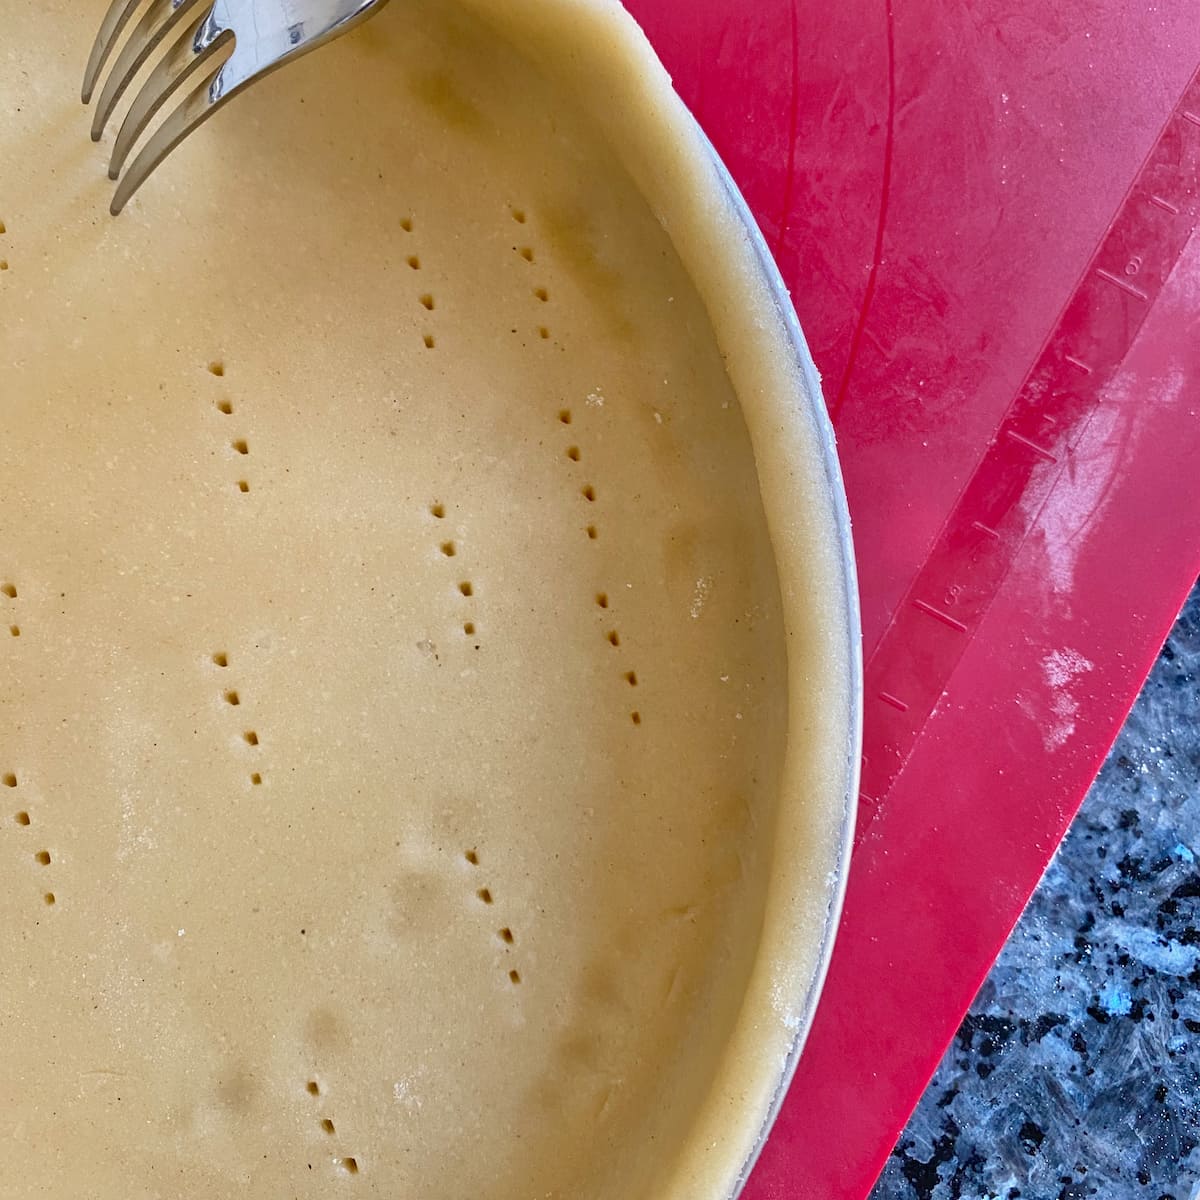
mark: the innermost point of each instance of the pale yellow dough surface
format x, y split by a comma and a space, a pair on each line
422, 757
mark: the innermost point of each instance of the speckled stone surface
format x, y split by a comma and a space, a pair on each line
1077, 1072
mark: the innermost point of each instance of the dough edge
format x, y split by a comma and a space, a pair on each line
597, 49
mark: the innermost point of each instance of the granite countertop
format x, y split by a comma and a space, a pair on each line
1077, 1071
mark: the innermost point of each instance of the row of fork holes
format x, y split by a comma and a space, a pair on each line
575, 455
346, 1163
9, 591
3, 260
232, 697
449, 549
504, 933
42, 857
225, 408
589, 494
526, 253
240, 447
426, 299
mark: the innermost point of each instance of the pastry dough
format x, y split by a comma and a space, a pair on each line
424, 733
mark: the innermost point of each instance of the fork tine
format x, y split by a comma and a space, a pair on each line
158, 20
186, 56
192, 111
115, 19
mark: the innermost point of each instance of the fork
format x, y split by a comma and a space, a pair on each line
231, 43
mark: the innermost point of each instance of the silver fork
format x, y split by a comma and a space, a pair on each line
232, 43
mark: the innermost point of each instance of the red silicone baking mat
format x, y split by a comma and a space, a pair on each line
987, 217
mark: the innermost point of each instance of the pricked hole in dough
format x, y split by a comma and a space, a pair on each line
8, 779
541, 294
221, 658
469, 628
241, 446
514, 976
589, 493
543, 332
313, 1087
231, 697
518, 215
3, 264
438, 510
526, 252
430, 342
327, 1125
414, 262
349, 1165
427, 302
251, 737
466, 588
406, 224
3, 230
43, 857
22, 818
10, 590
224, 406
448, 549
602, 599
49, 899
14, 630
631, 678
636, 717
573, 453
485, 895
256, 779
592, 533
506, 935
472, 857
614, 638
243, 485
217, 369
564, 415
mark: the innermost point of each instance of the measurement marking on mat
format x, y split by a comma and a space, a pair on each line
1123, 284
1165, 205
1021, 439
1004, 497
938, 615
